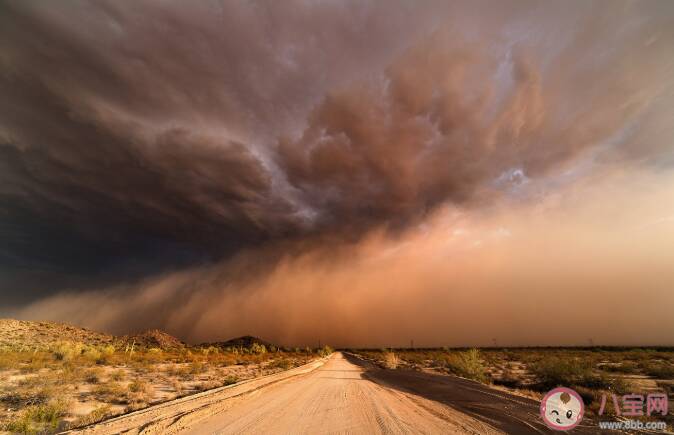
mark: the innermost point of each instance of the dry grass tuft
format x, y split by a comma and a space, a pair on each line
43, 418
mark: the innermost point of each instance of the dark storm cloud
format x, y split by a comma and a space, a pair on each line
132, 134
449, 120
142, 136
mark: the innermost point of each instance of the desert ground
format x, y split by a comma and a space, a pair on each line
56, 376
61, 378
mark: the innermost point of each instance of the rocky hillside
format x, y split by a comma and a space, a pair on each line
27, 335
23, 334
153, 338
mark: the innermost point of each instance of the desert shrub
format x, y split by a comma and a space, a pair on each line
257, 348
118, 375
624, 367
508, 379
184, 372
40, 418
109, 392
619, 385
98, 414
390, 360
413, 358
175, 370
21, 397
9, 360
91, 353
658, 370
210, 350
138, 386
229, 380
68, 373
281, 363
33, 364
92, 376
207, 385
67, 350
467, 364
140, 393
325, 351
226, 360
142, 362
152, 356
31, 381
197, 367
554, 371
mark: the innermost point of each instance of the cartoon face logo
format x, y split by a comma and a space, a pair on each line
562, 409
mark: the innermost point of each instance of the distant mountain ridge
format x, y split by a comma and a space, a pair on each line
31, 335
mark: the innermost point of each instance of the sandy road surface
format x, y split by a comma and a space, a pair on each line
341, 395
337, 399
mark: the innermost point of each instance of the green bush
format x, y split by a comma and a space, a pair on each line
98, 414
91, 353
624, 367
67, 350
554, 371
108, 350
282, 363
467, 364
39, 418
257, 348
229, 380
659, 370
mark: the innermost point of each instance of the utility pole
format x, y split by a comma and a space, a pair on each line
412, 344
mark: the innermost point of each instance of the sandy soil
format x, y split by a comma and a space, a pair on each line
341, 394
326, 396
337, 399
178, 415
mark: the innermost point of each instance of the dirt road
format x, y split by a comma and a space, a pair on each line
340, 395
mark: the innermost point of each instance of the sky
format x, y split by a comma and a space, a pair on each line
359, 173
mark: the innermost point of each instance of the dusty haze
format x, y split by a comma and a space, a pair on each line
363, 174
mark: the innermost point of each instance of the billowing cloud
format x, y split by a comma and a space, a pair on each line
561, 273
143, 145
